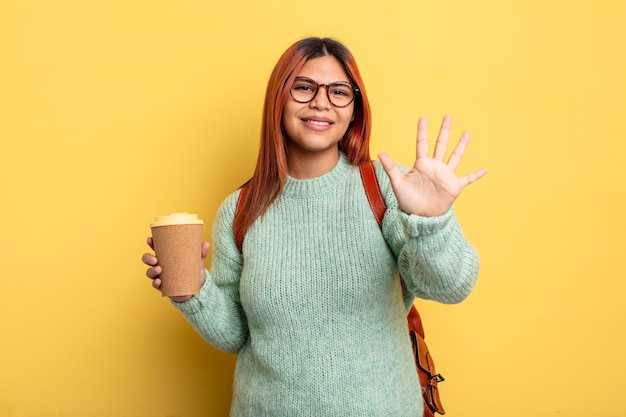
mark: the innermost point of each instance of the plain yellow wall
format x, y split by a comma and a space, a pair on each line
112, 112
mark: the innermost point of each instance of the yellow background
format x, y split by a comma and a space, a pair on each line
113, 112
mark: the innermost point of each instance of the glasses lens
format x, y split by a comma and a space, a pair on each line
340, 94
303, 90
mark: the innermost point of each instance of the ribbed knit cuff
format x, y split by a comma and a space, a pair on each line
195, 303
422, 226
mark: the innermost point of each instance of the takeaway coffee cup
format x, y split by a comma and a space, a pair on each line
177, 241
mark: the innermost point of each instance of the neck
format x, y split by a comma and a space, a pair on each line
304, 166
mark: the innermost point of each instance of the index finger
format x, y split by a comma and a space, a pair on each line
149, 259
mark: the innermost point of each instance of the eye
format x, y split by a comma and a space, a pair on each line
304, 86
341, 89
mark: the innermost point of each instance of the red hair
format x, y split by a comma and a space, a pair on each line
270, 173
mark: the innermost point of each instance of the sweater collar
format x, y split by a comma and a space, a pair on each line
323, 183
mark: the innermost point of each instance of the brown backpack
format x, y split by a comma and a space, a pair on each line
424, 363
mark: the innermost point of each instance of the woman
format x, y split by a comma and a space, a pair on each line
313, 303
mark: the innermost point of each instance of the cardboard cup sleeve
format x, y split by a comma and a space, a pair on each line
178, 248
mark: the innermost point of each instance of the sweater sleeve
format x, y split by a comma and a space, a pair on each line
435, 260
216, 312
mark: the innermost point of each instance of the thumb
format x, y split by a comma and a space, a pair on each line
391, 169
205, 250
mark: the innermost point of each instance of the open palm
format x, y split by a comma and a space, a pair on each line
431, 186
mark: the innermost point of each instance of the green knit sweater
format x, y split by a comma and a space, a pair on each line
314, 307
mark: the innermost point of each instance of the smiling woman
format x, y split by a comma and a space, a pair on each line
272, 167
116, 111
314, 127
314, 258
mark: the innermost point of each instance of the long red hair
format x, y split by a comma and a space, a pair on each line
270, 173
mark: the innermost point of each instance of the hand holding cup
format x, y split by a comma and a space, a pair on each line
177, 268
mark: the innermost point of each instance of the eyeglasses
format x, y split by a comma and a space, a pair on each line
340, 93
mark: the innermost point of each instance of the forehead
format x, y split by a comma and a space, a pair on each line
324, 69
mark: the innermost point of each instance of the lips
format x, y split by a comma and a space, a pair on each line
318, 122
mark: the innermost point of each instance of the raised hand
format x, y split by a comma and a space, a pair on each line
431, 186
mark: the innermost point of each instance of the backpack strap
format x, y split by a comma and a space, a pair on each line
372, 190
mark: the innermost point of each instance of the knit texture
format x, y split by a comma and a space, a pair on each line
313, 305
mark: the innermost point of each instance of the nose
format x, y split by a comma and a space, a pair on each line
320, 100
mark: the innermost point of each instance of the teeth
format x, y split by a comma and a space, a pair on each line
317, 122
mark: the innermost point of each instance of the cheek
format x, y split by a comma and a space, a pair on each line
351, 116
287, 131
286, 121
